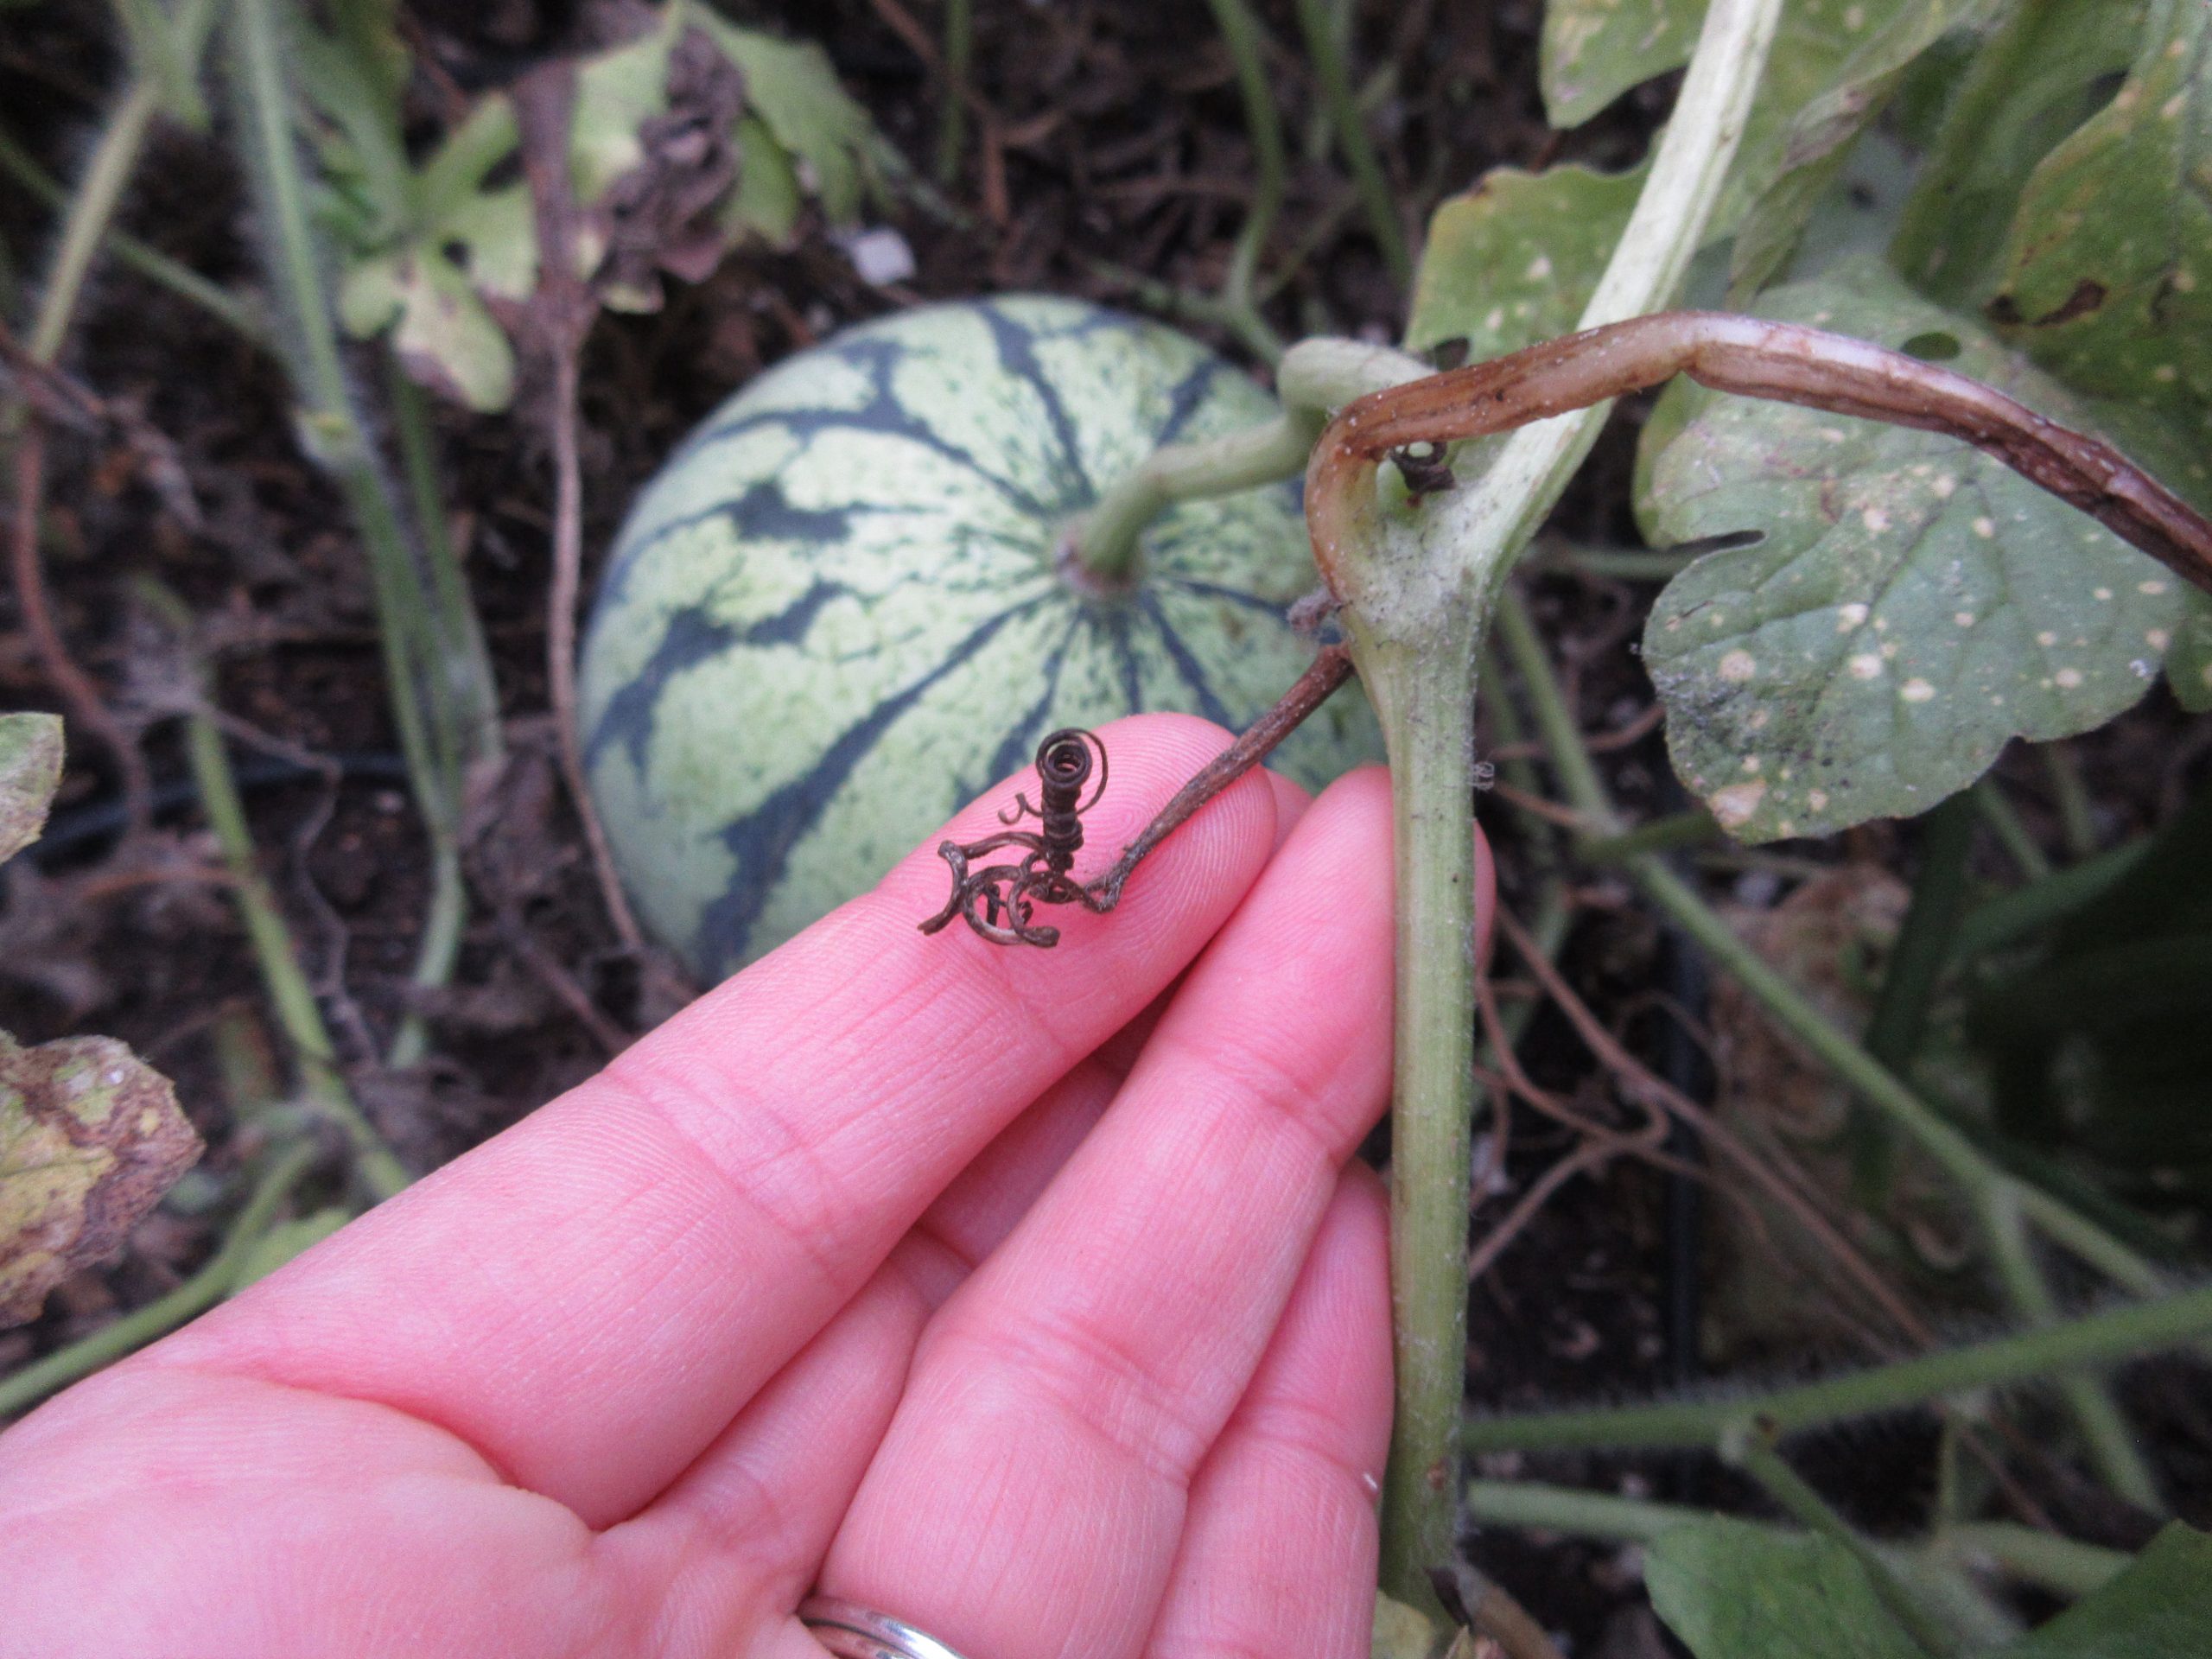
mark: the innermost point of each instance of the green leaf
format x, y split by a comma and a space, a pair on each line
792, 88
1401, 1633
1735, 1590
90, 1139
618, 92
1910, 605
766, 201
2160, 1608
1819, 134
1516, 259
2043, 74
30, 771
440, 325
2189, 664
281, 1243
2107, 269
1595, 50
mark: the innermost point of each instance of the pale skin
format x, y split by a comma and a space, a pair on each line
1030, 1295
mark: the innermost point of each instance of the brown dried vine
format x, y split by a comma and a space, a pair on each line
1781, 361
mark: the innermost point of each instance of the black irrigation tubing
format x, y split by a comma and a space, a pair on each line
69, 831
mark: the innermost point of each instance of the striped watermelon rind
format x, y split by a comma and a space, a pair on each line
834, 615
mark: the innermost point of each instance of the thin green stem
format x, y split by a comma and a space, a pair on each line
1619, 564
1796, 1496
442, 700
2043, 1559
2050, 898
952, 114
1250, 329
22, 1390
1241, 33
297, 1013
149, 262
2110, 1442
1692, 828
1492, 521
2005, 822
2077, 818
1923, 942
1915, 968
1424, 695
1316, 377
100, 192
1324, 53
1977, 1176
2087, 1343
461, 709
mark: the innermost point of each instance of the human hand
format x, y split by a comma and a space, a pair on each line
932, 1273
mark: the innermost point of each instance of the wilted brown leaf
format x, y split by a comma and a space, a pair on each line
90, 1139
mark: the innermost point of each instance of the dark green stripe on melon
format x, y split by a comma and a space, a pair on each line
834, 616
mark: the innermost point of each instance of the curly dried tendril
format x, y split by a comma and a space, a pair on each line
999, 900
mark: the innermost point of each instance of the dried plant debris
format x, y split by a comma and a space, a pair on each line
90, 1139
30, 771
682, 142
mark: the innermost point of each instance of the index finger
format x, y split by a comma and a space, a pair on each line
589, 1296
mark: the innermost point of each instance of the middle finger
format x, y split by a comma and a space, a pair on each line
1029, 1496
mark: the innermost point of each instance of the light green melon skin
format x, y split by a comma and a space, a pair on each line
772, 719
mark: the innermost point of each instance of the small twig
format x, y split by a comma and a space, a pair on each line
1331, 667
959, 53
1472, 1598
1753, 358
563, 309
1643, 1081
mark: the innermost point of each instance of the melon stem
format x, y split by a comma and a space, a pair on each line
1102, 552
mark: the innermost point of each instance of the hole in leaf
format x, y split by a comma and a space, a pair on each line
1934, 346
1449, 353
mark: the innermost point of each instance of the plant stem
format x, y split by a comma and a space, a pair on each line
462, 712
24, 1388
1763, 1463
1424, 696
1981, 1178
2047, 900
951, 120
1316, 376
1324, 52
442, 700
2004, 823
1241, 33
149, 262
297, 1013
1692, 828
2086, 1343
2077, 819
1491, 521
2110, 1445
1923, 942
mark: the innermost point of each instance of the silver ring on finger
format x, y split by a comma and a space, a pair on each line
852, 1631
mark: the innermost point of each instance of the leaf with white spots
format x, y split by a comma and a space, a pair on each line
1817, 140
1826, 55
1595, 50
1515, 259
2108, 265
1909, 605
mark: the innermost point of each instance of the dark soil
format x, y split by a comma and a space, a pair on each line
1118, 141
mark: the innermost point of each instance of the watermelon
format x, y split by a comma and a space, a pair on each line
835, 615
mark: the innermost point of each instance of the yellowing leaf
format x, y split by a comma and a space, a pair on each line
90, 1139
30, 771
